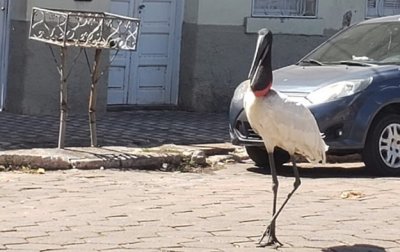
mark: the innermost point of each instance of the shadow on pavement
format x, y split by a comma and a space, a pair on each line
355, 248
318, 172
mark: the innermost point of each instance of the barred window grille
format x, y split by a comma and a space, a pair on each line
265, 8
380, 8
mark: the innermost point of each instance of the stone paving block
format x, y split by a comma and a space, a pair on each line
249, 232
177, 221
224, 240
323, 235
90, 247
122, 220
251, 214
59, 225
129, 249
300, 242
190, 250
7, 226
24, 234
147, 230
301, 249
57, 238
118, 238
158, 243
207, 246
7, 241
19, 250
33, 247
95, 227
192, 235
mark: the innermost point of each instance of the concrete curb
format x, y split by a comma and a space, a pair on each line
132, 158
111, 156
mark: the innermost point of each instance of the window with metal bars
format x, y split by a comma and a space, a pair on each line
284, 8
380, 8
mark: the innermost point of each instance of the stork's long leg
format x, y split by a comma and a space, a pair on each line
271, 228
296, 185
270, 231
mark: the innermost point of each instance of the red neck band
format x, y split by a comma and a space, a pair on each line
263, 92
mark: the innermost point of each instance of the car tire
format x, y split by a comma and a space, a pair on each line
381, 153
260, 156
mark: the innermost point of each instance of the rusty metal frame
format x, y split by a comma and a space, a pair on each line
84, 29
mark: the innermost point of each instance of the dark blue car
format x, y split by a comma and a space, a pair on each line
351, 83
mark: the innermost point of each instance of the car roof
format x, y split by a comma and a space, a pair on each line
395, 18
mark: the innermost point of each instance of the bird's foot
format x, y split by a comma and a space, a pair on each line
272, 240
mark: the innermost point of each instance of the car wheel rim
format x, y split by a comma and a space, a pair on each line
389, 145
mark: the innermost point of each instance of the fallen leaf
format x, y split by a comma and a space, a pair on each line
41, 171
351, 195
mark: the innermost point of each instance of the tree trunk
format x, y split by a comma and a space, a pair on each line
93, 97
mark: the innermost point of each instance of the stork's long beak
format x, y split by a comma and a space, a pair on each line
261, 70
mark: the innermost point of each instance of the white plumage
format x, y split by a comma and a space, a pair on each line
280, 123
285, 124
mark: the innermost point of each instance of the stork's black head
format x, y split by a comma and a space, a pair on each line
261, 70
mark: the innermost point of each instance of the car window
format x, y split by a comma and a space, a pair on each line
377, 43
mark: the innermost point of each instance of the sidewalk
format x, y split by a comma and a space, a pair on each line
127, 139
125, 128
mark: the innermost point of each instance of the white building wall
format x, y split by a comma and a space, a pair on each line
223, 12
18, 9
191, 11
332, 12
238, 12
22, 9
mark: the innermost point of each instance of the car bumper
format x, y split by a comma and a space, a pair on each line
335, 120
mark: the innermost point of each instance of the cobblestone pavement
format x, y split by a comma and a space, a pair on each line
113, 210
123, 128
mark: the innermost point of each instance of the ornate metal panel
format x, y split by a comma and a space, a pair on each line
84, 29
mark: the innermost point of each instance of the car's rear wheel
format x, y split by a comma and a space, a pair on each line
260, 156
381, 153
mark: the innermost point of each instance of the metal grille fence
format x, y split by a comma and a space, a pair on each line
84, 29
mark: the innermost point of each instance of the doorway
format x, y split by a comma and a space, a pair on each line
150, 75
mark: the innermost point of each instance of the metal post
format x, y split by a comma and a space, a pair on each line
93, 97
63, 98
